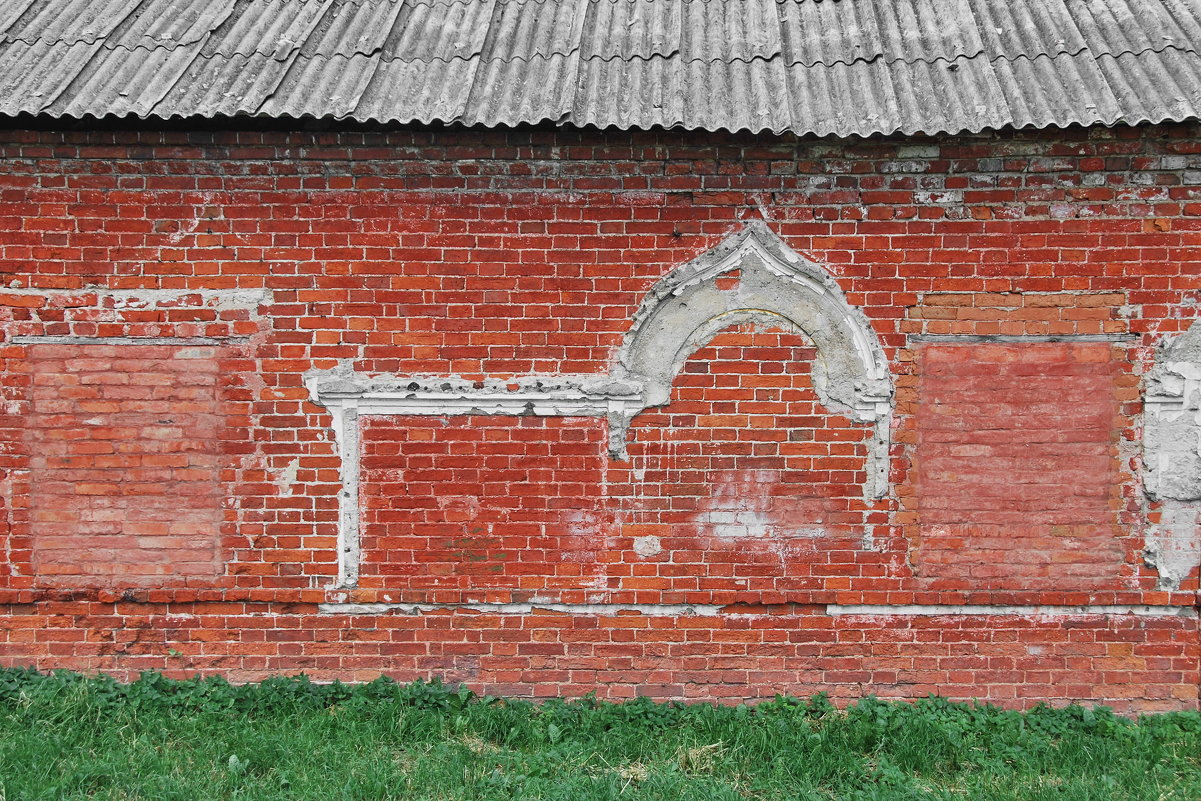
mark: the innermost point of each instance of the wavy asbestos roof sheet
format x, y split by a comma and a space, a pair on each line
68, 21
439, 31
11, 11
275, 28
827, 67
189, 22
438, 89
891, 30
528, 29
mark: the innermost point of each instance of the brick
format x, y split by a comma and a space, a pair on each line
141, 479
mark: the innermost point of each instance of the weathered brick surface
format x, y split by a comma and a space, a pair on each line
495, 254
1133, 664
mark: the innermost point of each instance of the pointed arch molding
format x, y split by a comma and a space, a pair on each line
753, 276
775, 286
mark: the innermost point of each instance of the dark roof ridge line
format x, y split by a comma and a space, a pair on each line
1011, 58
1103, 54
39, 40
778, 54
154, 44
674, 55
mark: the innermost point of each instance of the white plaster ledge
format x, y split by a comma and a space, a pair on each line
1003, 610
716, 610
542, 395
135, 299
604, 610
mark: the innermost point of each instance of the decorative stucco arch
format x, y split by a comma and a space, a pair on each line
776, 286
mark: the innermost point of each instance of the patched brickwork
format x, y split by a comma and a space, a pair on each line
1017, 465
750, 487
1016, 288
124, 444
470, 504
742, 487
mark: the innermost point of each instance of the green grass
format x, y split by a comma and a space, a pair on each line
69, 736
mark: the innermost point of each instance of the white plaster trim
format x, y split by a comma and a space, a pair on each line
38, 339
777, 286
219, 299
548, 395
350, 396
1003, 610
773, 268
346, 435
716, 610
604, 610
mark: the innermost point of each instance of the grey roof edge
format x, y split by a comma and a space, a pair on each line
373, 123
1147, 72
284, 121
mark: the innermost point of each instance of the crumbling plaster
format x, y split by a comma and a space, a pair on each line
769, 283
778, 287
1172, 458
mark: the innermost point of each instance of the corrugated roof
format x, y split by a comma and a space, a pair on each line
275, 28
68, 21
829, 67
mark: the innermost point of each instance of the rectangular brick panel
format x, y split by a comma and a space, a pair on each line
1017, 464
124, 462
481, 501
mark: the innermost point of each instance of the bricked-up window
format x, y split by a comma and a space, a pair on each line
747, 483
742, 486
124, 444
478, 501
1017, 462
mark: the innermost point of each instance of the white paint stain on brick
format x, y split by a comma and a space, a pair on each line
286, 480
647, 546
739, 509
742, 512
584, 541
734, 523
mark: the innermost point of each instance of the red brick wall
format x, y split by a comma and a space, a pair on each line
734, 554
